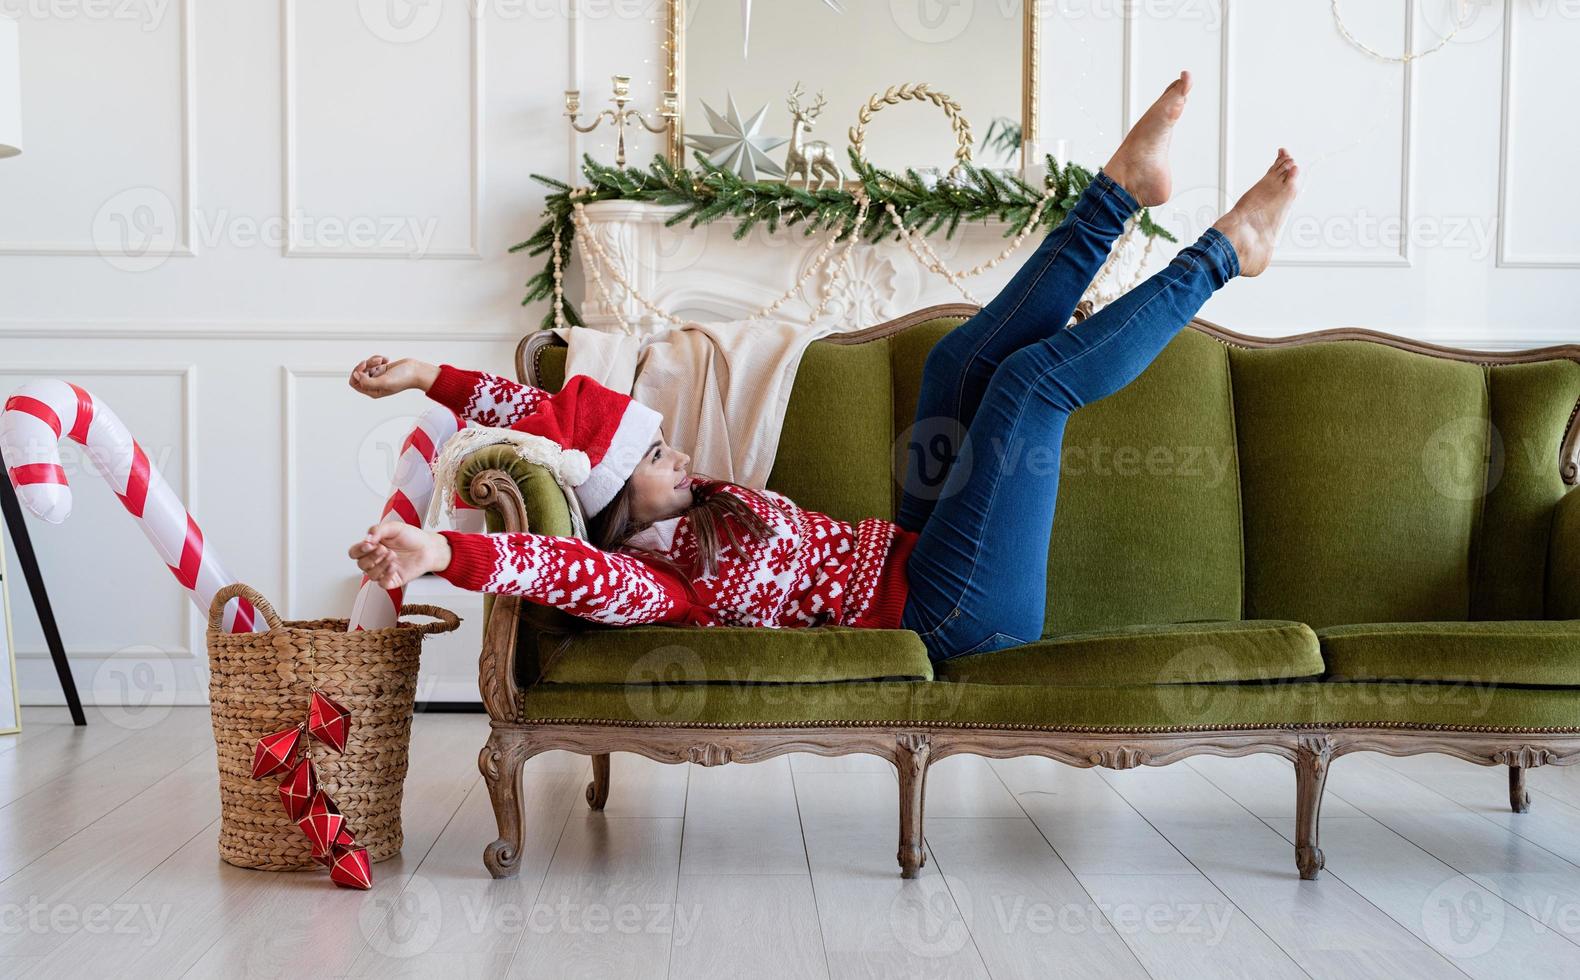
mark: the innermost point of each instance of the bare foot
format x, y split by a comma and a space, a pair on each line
1252, 225
1141, 164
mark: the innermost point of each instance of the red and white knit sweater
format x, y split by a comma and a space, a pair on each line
814, 570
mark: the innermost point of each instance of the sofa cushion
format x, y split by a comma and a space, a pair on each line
1539, 651
1165, 706
731, 654
1168, 653
1363, 478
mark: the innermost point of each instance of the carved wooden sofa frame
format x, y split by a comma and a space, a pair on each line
912, 748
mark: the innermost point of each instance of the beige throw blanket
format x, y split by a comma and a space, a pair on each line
721, 387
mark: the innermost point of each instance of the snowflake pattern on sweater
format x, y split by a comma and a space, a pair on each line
812, 570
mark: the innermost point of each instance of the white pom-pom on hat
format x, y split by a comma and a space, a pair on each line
574, 467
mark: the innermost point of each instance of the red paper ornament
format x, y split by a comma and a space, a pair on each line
297, 789
350, 868
275, 751
322, 823
328, 722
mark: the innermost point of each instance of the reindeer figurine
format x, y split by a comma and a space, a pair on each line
808, 157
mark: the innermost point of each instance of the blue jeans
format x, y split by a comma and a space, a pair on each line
982, 468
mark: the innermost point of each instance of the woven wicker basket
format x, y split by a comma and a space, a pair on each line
261, 683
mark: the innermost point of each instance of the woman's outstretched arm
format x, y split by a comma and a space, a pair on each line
484, 398
564, 572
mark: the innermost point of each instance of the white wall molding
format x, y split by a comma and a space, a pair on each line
289, 485
474, 13
195, 623
1227, 186
1508, 258
186, 222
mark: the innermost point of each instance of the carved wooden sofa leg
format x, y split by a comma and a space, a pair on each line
598, 789
1519, 797
1312, 755
501, 761
912, 752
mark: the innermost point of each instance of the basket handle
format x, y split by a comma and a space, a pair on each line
447, 620
216, 608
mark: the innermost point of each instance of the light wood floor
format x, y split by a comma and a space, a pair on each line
108, 867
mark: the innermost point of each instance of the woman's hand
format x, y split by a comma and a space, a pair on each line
394, 554
378, 376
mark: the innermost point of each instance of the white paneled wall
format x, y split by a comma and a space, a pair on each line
222, 206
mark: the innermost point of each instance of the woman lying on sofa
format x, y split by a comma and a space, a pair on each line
964, 563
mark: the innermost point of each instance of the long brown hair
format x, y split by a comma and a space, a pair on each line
712, 503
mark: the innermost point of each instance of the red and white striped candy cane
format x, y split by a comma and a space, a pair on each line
32, 424
410, 492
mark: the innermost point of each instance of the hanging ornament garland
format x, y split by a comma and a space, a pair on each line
313, 810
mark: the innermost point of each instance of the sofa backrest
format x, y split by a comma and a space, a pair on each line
1330, 478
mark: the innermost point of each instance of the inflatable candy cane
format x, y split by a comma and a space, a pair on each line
411, 490
35, 418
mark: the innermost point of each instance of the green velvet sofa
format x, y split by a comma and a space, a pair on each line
1308, 546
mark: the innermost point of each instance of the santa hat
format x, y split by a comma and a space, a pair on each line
608, 430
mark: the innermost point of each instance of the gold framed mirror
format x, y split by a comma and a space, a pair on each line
982, 55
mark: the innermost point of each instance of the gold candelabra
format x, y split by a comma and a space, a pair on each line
620, 115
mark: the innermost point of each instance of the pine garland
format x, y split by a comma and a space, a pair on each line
977, 195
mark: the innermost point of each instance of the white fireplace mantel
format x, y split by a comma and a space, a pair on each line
704, 273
